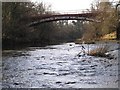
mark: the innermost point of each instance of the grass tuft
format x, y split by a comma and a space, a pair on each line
99, 51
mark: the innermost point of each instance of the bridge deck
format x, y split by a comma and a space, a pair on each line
35, 20
43, 16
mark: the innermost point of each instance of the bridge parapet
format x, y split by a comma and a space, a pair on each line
74, 11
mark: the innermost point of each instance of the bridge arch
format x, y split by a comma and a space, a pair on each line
36, 20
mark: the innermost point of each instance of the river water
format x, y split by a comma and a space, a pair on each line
58, 66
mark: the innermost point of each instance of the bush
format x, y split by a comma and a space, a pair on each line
99, 51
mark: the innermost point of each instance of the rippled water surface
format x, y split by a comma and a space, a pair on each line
58, 66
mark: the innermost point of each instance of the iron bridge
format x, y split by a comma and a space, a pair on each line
36, 20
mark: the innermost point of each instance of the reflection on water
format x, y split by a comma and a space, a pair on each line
58, 66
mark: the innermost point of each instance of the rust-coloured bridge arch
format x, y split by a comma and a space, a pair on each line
36, 20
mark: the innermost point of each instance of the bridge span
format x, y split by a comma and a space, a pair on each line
36, 20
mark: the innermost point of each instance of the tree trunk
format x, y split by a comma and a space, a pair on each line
118, 31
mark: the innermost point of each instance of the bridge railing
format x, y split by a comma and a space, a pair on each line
73, 11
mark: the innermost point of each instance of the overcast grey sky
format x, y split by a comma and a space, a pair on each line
68, 5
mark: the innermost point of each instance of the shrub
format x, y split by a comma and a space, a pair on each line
99, 51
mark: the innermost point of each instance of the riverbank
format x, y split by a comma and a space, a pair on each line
6, 45
79, 41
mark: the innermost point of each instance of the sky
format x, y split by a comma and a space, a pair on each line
68, 5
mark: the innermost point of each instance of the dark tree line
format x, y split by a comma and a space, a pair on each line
15, 32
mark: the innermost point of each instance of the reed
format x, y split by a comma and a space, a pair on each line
99, 51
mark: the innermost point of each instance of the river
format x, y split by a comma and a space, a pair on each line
58, 66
